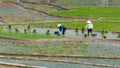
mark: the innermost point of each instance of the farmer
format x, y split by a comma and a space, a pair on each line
62, 29
89, 26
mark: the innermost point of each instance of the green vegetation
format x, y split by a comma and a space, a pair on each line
26, 35
48, 32
98, 25
85, 35
105, 13
82, 30
76, 30
119, 36
49, 48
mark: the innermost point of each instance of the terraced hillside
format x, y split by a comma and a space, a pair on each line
41, 11
88, 2
77, 2
16, 12
102, 13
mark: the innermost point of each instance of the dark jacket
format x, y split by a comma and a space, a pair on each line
62, 27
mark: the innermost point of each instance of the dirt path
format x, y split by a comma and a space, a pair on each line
15, 40
14, 65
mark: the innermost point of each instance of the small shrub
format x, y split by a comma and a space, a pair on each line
104, 36
10, 28
85, 35
25, 31
16, 30
106, 31
82, 30
28, 28
48, 32
102, 32
119, 36
76, 30
34, 31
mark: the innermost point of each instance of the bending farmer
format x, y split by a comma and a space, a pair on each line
89, 26
62, 28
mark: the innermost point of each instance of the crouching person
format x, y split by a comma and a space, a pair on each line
62, 29
89, 26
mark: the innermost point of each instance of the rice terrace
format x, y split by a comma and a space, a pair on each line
59, 33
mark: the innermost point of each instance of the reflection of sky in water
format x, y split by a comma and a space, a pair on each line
104, 49
64, 65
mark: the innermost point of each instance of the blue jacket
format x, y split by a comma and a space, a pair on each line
62, 27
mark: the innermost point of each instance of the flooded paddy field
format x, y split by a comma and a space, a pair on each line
69, 32
74, 51
70, 49
88, 48
50, 64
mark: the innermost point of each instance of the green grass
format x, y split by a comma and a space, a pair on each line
107, 13
98, 25
27, 35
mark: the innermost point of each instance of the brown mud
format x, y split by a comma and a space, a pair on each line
55, 40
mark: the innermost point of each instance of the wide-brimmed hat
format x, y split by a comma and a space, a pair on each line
59, 25
89, 22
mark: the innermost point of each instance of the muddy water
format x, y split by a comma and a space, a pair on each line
64, 65
48, 64
87, 48
69, 33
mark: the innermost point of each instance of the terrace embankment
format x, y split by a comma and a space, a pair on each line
58, 7
15, 40
51, 15
28, 57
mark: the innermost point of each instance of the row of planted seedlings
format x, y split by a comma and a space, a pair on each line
26, 30
103, 33
82, 31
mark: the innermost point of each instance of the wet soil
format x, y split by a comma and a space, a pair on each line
72, 44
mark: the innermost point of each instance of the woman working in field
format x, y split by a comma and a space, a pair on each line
89, 26
62, 29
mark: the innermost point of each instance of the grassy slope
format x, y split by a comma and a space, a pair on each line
98, 25
107, 13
